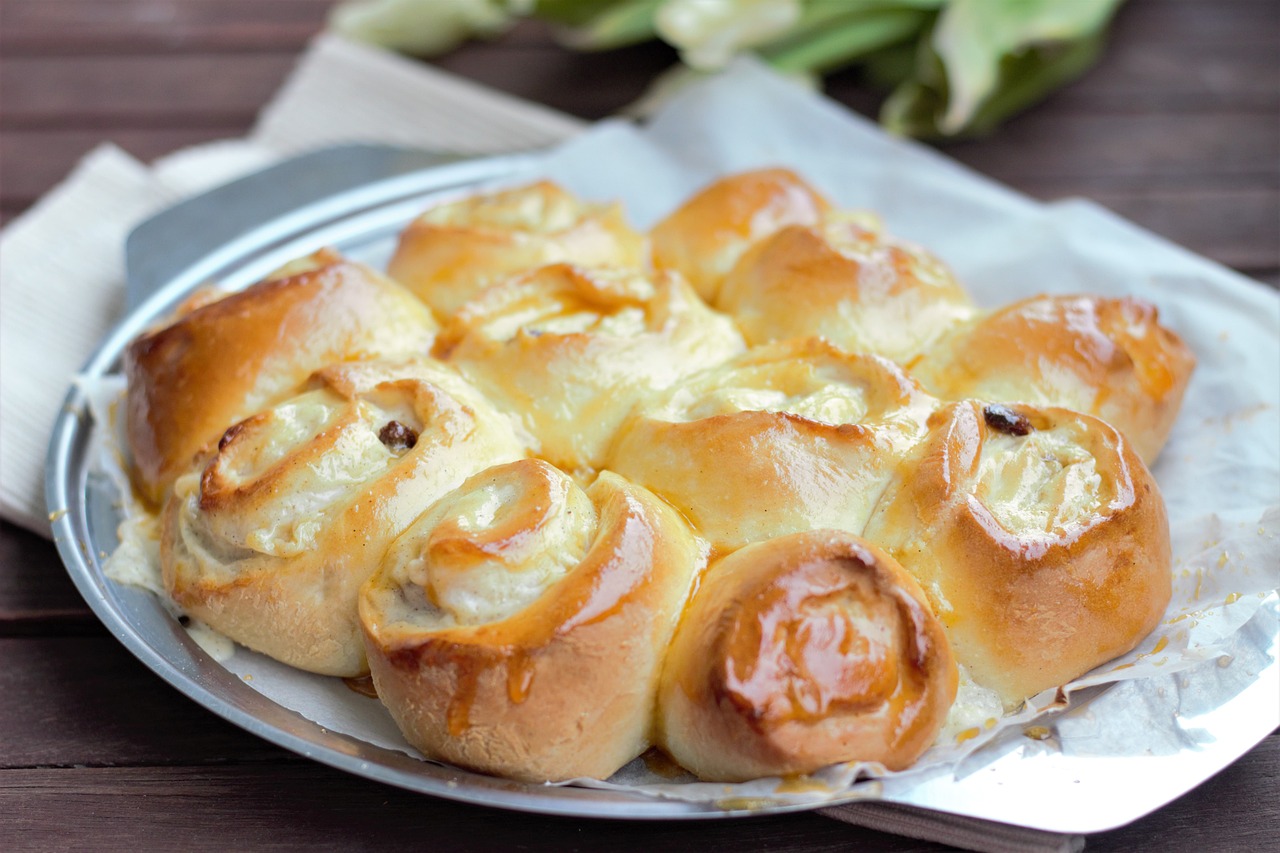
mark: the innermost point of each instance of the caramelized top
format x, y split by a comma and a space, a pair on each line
452, 251
706, 235
229, 358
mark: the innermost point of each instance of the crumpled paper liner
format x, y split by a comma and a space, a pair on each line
1219, 473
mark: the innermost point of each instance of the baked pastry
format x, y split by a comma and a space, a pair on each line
269, 541
1039, 537
705, 236
1106, 357
569, 350
802, 651
226, 359
506, 518
519, 627
453, 250
845, 280
792, 436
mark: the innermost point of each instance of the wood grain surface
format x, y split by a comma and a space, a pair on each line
1177, 128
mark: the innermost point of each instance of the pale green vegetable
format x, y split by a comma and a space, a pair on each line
986, 59
616, 24
709, 33
418, 27
956, 67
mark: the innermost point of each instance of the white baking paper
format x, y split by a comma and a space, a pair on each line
1220, 472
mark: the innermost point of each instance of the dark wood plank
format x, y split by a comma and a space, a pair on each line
314, 807
588, 85
1195, 20
120, 27
1236, 227
1159, 149
78, 27
107, 92
36, 594
256, 807
85, 701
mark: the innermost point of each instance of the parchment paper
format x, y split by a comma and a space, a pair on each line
1220, 472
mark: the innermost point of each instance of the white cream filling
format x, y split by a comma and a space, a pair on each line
1038, 482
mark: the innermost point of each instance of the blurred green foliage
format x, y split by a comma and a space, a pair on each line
953, 67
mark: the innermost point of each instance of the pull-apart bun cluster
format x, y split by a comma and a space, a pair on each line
750, 488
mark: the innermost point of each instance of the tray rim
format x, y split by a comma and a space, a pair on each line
66, 497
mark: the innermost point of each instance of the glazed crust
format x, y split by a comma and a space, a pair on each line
570, 350
270, 541
229, 358
562, 687
1039, 536
846, 281
800, 652
1106, 357
704, 237
788, 437
452, 251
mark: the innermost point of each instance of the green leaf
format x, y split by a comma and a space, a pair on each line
888, 67
618, 25
844, 39
987, 59
570, 13
412, 26
973, 38
1033, 76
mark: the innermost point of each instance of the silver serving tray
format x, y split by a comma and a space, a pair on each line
1014, 780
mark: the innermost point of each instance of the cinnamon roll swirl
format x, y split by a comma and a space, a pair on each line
705, 236
845, 280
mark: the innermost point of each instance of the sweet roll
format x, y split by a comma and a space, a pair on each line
800, 652
787, 437
453, 250
846, 280
1107, 357
1039, 537
570, 350
704, 237
270, 541
519, 626
227, 358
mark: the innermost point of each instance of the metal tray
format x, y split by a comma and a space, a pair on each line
1014, 781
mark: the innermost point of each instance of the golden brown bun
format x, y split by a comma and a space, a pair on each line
452, 251
705, 236
1106, 357
519, 627
787, 437
1039, 537
849, 283
270, 542
800, 652
226, 359
570, 350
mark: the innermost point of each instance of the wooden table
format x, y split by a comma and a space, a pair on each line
1178, 129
